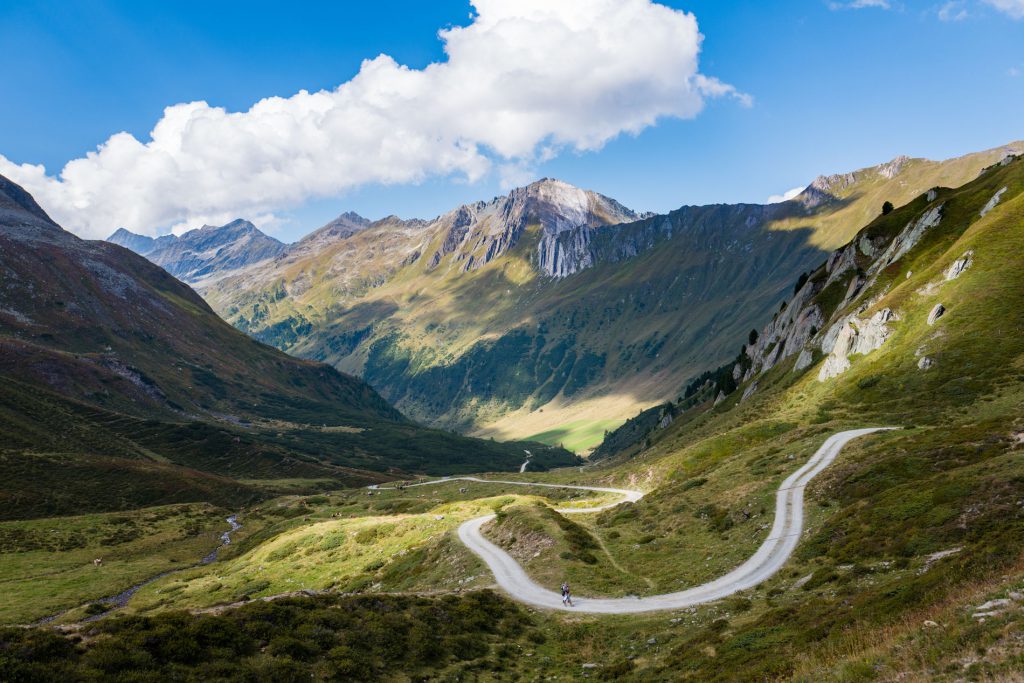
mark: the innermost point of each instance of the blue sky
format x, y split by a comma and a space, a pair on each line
834, 88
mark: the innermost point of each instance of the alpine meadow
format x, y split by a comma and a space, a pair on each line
483, 341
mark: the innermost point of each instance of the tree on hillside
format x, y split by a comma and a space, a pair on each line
752, 339
887, 208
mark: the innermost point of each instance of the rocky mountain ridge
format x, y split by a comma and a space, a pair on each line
581, 301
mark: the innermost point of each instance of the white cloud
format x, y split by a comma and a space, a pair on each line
785, 196
526, 79
1013, 8
859, 4
952, 11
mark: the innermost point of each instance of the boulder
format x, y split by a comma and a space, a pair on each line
959, 266
936, 313
925, 363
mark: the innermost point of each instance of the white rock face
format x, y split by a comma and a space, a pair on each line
866, 246
906, 240
925, 363
936, 313
959, 266
804, 360
892, 169
991, 204
748, 392
840, 262
851, 336
720, 397
788, 333
932, 195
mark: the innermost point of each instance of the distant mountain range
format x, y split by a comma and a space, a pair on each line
204, 254
552, 310
120, 386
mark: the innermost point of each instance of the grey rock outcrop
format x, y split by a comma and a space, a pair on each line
907, 239
788, 333
854, 336
937, 312
959, 266
804, 360
891, 169
991, 204
925, 363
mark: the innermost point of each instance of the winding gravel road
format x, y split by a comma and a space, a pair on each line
769, 558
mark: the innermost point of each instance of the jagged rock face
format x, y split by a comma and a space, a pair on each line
787, 333
208, 252
907, 239
854, 336
476, 234
893, 168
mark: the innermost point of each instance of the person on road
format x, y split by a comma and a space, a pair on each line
566, 596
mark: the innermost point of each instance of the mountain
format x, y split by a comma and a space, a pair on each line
555, 311
907, 564
110, 365
205, 254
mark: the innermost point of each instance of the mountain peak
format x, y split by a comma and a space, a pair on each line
14, 197
140, 244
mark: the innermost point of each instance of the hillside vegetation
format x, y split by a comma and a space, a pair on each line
122, 388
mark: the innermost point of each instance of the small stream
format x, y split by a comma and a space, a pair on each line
121, 599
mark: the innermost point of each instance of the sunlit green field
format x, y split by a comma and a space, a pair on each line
579, 436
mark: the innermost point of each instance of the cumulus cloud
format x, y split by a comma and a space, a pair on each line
524, 80
785, 196
1013, 8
